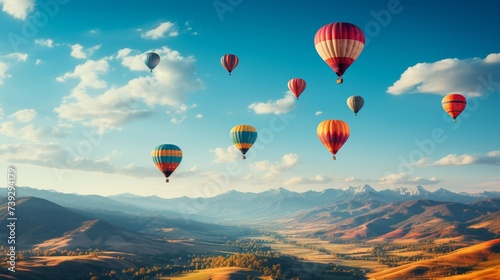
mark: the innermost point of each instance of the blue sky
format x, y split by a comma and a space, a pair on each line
80, 112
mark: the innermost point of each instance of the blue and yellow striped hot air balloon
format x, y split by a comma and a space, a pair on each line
243, 137
167, 157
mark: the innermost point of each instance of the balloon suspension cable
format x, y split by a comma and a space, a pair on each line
340, 80
355, 114
229, 73
244, 157
166, 180
454, 120
334, 157
151, 70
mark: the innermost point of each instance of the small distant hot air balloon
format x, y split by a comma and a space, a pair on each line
355, 103
333, 134
229, 62
166, 157
454, 104
339, 44
151, 60
297, 86
243, 137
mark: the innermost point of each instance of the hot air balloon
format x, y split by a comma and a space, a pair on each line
339, 44
243, 137
229, 61
297, 86
166, 157
454, 104
333, 134
151, 59
355, 103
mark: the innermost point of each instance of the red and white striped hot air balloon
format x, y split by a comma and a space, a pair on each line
297, 86
339, 44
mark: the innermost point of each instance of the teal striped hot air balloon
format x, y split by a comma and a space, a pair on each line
243, 137
166, 157
151, 60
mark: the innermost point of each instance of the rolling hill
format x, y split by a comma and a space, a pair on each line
480, 261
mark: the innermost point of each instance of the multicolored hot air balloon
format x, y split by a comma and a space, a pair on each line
333, 134
229, 62
151, 60
454, 104
243, 137
339, 44
355, 103
297, 86
166, 157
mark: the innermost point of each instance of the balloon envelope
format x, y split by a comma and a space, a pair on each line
167, 158
297, 86
151, 60
229, 62
355, 103
339, 44
454, 104
333, 134
243, 137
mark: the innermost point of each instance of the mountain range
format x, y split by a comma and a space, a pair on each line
241, 207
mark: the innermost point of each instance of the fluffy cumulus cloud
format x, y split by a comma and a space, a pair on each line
5, 63
471, 77
165, 29
54, 156
45, 42
229, 154
403, 178
287, 162
490, 158
78, 51
280, 106
169, 85
298, 180
19, 9
25, 115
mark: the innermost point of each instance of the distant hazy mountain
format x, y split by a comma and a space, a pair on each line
241, 207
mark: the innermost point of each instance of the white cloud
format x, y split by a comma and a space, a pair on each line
45, 42
471, 77
78, 51
38, 61
298, 180
318, 113
4, 67
280, 106
19, 9
199, 116
287, 162
165, 29
490, 158
230, 154
88, 73
25, 115
403, 178
27, 132
18, 56
1, 113
169, 85
349, 179
54, 156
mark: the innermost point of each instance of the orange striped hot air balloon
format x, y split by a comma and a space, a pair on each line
339, 44
297, 86
454, 104
333, 134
